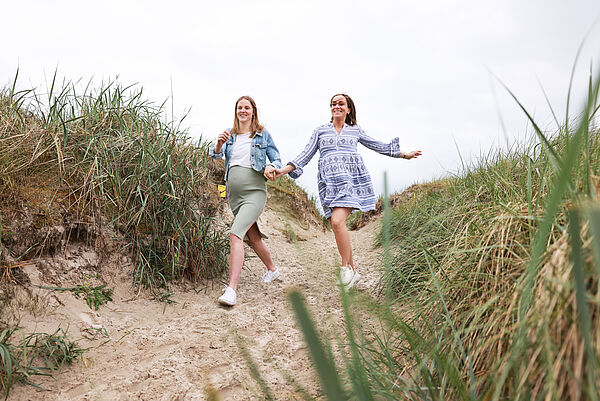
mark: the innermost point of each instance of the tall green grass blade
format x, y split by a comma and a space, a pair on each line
594, 216
554, 159
580, 297
356, 369
549, 105
13, 87
324, 365
587, 162
254, 372
530, 206
571, 78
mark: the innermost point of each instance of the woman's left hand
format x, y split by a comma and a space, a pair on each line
412, 155
270, 172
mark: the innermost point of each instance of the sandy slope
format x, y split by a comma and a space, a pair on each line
180, 351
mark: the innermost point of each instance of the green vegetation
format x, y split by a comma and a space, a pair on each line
36, 354
492, 279
289, 199
108, 153
94, 295
102, 167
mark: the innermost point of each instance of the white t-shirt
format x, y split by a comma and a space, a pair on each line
240, 154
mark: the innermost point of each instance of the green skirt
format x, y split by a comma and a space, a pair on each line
247, 194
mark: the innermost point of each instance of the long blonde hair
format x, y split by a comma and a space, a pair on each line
255, 126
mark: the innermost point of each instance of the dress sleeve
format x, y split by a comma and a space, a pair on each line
303, 158
388, 149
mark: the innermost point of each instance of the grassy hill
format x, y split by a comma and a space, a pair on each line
105, 169
498, 269
491, 285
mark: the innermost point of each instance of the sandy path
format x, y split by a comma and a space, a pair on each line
183, 350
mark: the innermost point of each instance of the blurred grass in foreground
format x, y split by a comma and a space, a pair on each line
491, 280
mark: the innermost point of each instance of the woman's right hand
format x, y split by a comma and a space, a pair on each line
223, 137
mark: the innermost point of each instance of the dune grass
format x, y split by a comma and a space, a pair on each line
491, 281
100, 165
289, 199
108, 153
23, 356
493, 270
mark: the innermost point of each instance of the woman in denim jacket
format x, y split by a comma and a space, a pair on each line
246, 148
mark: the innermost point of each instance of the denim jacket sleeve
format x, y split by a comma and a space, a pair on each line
388, 149
273, 152
211, 152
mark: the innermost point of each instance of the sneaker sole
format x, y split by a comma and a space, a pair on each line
226, 303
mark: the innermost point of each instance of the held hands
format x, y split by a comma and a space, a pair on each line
273, 173
280, 171
412, 154
270, 173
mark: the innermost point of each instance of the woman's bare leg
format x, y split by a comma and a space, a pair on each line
259, 246
342, 236
236, 260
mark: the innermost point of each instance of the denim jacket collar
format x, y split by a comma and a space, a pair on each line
231, 140
263, 148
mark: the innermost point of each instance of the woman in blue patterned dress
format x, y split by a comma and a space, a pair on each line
343, 180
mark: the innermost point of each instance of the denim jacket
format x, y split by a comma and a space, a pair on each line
262, 146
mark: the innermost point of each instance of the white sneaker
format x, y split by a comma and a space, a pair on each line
346, 274
355, 279
228, 297
270, 276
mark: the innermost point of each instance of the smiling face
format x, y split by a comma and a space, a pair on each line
339, 107
244, 111
246, 117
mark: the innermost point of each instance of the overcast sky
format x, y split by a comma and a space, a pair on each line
419, 70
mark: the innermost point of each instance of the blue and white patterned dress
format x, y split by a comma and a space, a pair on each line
343, 179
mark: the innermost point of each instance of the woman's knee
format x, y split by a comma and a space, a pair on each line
255, 242
254, 237
234, 240
337, 222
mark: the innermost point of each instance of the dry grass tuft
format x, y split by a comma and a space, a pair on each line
106, 159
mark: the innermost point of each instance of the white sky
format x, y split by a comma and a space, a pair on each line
415, 69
